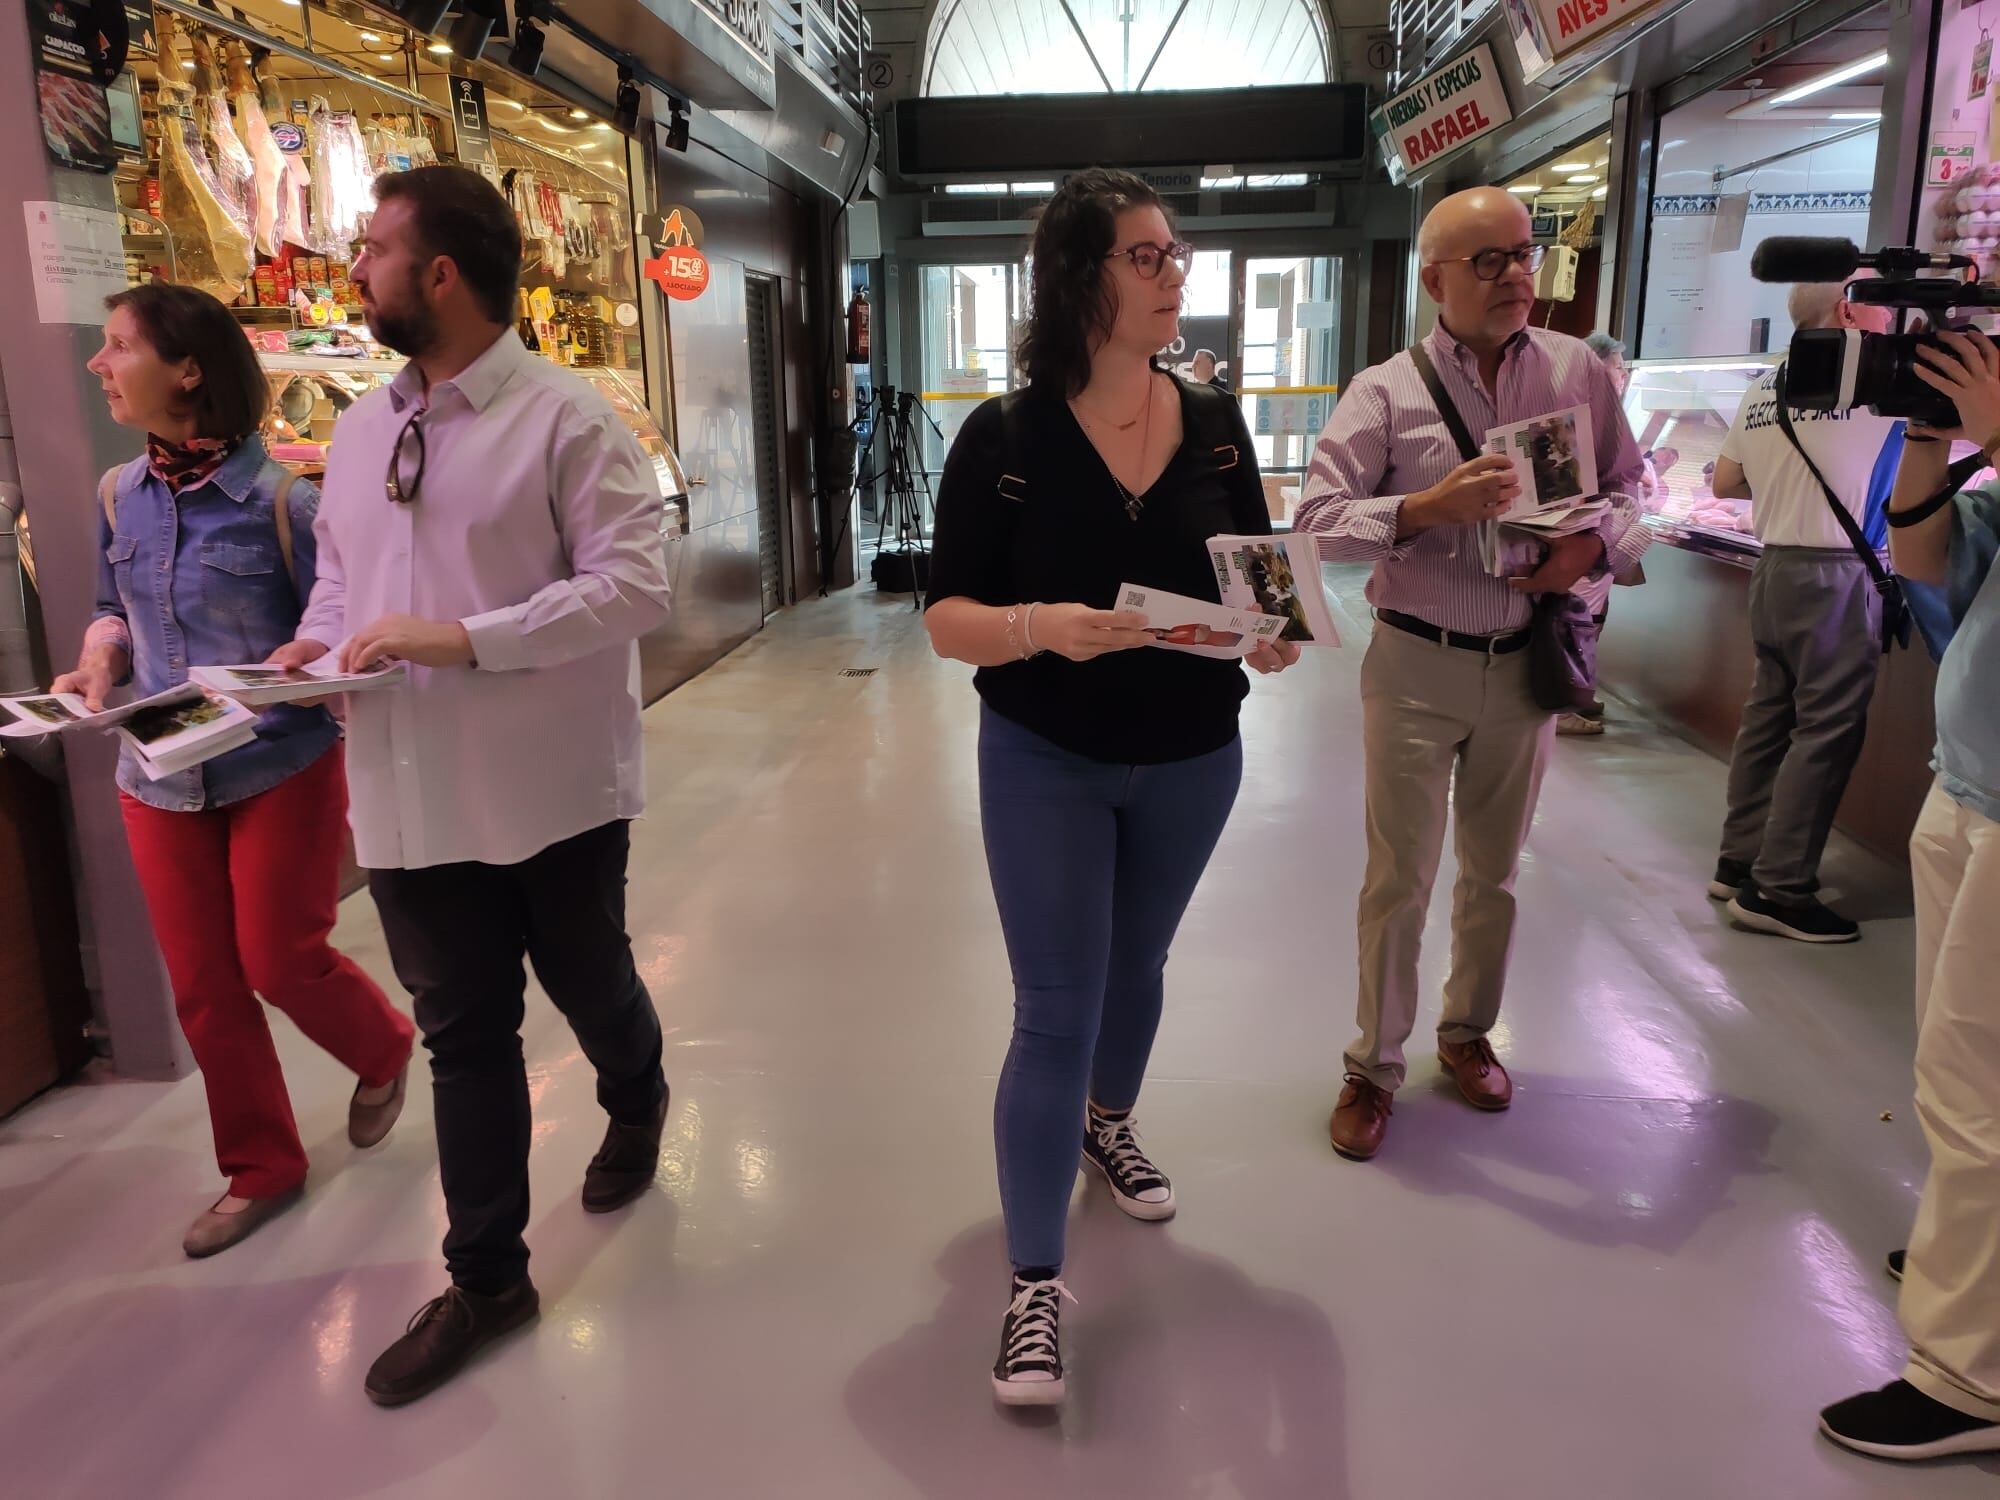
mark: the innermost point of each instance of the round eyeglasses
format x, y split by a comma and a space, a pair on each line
1491, 265
1150, 260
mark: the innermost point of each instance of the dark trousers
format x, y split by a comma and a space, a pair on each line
457, 935
1816, 621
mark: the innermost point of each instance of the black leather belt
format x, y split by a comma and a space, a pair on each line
1485, 645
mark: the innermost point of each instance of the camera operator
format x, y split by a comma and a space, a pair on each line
1948, 1401
1816, 622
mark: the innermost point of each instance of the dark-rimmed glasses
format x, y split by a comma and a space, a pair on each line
1491, 265
1150, 260
404, 491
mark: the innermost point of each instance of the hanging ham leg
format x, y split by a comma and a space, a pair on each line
210, 250
269, 161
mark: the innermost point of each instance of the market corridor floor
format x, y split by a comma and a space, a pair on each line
1641, 1282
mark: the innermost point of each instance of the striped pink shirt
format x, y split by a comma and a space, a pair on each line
1387, 440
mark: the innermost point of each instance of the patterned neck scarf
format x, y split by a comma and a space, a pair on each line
182, 466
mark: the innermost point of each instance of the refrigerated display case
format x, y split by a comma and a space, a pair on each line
310, 391
1680, 410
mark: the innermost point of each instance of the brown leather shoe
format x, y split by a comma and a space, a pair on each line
215, 1232
1360, 1118
1478, 1073
367, 1124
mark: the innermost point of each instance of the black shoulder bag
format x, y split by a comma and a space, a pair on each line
1562, 673
1896, 619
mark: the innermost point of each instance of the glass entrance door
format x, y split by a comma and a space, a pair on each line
970, 317
1291, 356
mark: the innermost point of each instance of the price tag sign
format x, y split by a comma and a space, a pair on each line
1950, 157
681, 274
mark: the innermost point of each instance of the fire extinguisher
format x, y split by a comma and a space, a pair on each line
857, 327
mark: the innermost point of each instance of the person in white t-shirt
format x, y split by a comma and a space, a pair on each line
1816, 622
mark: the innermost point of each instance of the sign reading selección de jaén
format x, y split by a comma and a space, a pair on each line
1458, 103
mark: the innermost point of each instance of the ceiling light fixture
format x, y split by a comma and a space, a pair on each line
440, 48
679, 124
1525, 188
625, 114
525, 57
1844, 74
421, 15
1603, 190
1854, 114
579, 114
385, 57
370, 36
1570, 166
1578, 179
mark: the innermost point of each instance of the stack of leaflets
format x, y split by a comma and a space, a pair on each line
169, 732
1555, 460
1178, 623
260, 686
1276, 575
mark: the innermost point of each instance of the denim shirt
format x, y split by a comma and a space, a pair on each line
1968, 689
199, 580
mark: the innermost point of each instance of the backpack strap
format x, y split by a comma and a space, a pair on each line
107, 495
1013, 482
281, 515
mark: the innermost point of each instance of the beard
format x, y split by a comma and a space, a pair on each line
410, 329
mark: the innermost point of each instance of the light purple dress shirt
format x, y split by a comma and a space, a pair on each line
1386, 440
536, 526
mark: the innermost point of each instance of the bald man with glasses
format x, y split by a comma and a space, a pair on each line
1450, 725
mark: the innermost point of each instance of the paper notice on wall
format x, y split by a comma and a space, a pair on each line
76, 258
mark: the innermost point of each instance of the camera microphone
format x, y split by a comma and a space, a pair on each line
1805, 257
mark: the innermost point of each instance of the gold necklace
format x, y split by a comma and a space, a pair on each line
1145, 409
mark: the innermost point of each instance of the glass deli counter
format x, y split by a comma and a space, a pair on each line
1680, 646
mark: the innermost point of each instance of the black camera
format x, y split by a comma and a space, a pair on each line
1839, 369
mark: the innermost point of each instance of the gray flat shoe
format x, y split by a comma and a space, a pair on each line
367, 1124
215, 1232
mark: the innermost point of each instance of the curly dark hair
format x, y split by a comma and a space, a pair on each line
1071, 299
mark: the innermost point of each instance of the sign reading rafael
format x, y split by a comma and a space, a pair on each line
1454, 105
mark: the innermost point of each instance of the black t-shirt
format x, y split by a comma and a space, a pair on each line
1068, 540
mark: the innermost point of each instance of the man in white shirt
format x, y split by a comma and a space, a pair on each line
490, 521
1816, 621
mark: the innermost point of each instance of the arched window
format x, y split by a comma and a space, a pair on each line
990, 47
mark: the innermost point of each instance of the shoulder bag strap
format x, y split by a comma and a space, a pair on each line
1447, 408
1841, 513
107, 494
1013, 482
281, 516
1895, 620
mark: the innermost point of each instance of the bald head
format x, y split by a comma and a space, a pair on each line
1483, 314
1816, 304
1475, 220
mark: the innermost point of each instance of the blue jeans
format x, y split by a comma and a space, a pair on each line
1093, 865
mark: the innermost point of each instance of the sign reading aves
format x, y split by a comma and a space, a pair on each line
679, 269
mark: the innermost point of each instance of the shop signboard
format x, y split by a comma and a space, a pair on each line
1552, 33
470, 124
748, 22
678, 268
1445, 110
79, 47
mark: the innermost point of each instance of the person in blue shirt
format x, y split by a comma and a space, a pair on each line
1948, 1399
207, 560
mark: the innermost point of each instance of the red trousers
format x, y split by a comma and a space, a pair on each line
243, 898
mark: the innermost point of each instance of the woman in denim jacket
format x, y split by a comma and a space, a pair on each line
240, 856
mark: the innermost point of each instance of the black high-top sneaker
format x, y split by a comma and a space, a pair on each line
1029, 1371
1111, 1145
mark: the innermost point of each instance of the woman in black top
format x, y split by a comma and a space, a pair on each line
1106, 771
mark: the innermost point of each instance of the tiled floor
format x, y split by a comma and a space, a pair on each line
1641, 1282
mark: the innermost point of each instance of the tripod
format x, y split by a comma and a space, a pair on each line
895, 457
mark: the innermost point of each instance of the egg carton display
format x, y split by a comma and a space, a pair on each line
1968, 219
